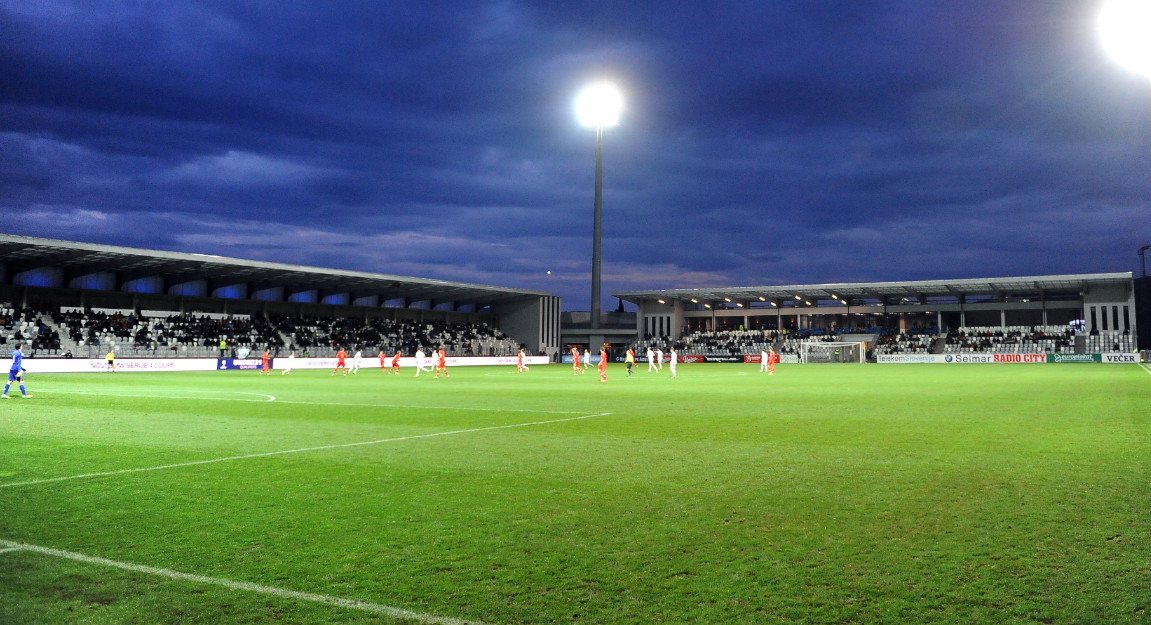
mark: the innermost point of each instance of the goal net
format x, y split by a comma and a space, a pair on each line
831, 352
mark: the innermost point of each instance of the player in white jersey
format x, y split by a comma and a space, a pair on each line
356, 360
671, 358
420, 363
764, 360
650, 360
291, 363
586, 359
658, 359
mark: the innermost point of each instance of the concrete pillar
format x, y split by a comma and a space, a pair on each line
676, 319
939, 320
1002, 318
745, 326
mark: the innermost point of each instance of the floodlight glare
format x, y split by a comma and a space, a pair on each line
761, 299
599, 106
694, 301
727, 299
661, 301
1125, 27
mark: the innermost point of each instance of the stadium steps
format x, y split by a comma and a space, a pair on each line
940, 345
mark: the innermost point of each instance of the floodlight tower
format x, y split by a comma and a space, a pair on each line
1125, 28
598, 106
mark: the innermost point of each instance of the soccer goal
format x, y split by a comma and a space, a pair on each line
831, 352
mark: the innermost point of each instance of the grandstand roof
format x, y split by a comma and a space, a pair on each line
21, 254
879, 290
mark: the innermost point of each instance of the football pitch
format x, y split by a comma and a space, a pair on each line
823, 494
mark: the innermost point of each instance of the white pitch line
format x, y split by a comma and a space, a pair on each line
375, 608
1144, 367
296, 451
317, 403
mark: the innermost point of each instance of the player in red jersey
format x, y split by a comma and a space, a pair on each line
395, 364
442, 364
340, 358
772, 358
265, 370
575, 360
521, 367
383, 360
603, 365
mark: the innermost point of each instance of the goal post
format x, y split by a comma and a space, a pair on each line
814, 351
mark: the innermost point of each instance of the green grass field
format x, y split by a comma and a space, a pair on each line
825, 494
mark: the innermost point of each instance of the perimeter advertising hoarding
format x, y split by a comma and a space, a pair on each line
1109, 358
410, 362
123, 365
784, 358
243, 363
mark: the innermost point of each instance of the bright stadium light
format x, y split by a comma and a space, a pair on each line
798, 297
727, 299
661, 301
599, 106
707, 305
596, 107
762, 299
773, 303
833, 296
694, 301
1125, 28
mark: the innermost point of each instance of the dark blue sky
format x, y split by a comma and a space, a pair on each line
763, 143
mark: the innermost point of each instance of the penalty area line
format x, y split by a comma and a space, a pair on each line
296, 451
375, 608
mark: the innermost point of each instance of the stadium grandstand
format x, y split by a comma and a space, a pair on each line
77, 299
1079, 313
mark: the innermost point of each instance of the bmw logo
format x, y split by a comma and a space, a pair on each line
947, 358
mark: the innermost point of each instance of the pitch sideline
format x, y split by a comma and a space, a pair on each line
296, 451
375, 608
308, 403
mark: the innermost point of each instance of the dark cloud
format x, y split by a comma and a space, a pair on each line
763, 142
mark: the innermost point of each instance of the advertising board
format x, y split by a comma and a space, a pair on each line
124, 365
962, 359
409, 362
243, 363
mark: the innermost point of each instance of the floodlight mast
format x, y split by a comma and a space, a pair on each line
598, 106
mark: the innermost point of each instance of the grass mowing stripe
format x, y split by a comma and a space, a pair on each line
398, 613
295, 451
318, 403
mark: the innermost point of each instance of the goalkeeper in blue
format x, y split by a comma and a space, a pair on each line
16, 373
